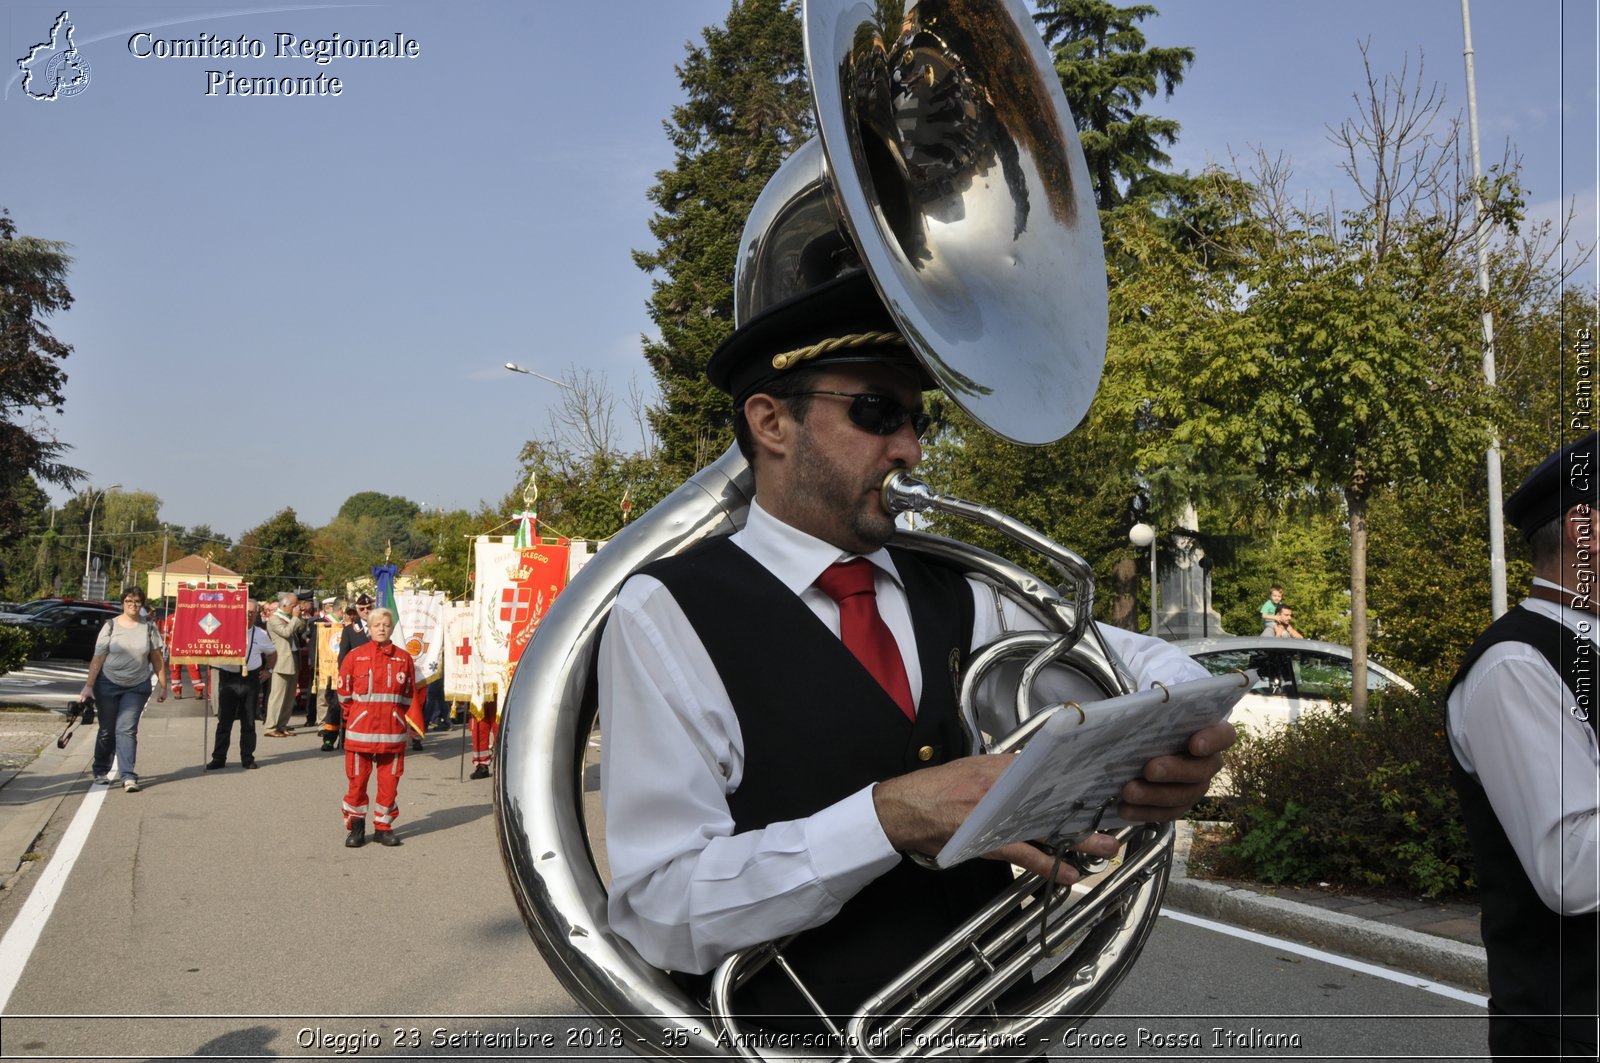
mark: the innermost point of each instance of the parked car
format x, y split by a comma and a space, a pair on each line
39, 605
1293, 675
78, 625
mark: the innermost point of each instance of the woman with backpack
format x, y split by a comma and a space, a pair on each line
129, 659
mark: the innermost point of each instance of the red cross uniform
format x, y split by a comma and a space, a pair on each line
375, 687
481, 730
196, 675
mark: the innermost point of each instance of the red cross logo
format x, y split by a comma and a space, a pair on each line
517, 603
464, 651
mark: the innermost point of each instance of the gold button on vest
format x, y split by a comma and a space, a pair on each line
925, 753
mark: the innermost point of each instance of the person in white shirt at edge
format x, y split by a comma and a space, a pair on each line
1527, 768
714, 847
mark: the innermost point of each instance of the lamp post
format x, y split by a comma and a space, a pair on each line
88, 545
515, 368
1143, 537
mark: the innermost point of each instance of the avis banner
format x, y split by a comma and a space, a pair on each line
208, 627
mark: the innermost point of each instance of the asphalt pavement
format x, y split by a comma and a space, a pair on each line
262, 870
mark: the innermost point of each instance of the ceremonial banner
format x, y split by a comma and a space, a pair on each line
494, 563
513, 589
421, 618
383, 597
542, 575
459, 658
208, 627
582, 551
328, 636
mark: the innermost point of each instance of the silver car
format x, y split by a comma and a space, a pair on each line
1293, 674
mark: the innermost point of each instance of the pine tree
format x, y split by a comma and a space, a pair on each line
1107, 73
748, 108
32, 286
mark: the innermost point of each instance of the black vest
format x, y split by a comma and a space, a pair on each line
817, 727
1540, 962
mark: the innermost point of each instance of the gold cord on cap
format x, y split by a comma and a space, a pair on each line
837, 343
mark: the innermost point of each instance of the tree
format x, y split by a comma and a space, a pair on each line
26, 557
1107, 73
125, 521
581, 477
199, 539
346, 549
377, 504
276, 555
1347, 361
32, 287
1429, 589
449, 567
748, 107
388, 520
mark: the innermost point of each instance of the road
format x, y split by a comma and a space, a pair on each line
219, 914
43, 684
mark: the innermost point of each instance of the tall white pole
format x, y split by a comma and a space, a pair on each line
1497, 530
88, 545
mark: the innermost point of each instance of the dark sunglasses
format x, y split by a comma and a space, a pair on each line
879, 414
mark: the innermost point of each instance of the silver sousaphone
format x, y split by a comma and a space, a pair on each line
948, 167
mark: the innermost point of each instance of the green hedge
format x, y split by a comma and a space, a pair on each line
17, 644
1372, 806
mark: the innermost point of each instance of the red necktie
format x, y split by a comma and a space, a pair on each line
863, 631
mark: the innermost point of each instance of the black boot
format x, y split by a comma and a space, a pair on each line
386, 837
357, 836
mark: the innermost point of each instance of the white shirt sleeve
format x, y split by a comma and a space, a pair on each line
1148, 660
1539, 765
685, 889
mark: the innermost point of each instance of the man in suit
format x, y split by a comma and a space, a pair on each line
775, 746
284, 627
355, 630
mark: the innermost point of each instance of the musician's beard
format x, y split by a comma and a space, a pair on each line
836, 503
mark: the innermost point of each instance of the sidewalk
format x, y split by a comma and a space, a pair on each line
1436, 941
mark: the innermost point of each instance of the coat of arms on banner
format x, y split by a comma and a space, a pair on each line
514, 589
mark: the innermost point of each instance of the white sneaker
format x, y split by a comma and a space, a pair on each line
130, 786
101, 780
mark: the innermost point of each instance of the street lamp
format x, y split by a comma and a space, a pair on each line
515, 368
88, 545
1143, 536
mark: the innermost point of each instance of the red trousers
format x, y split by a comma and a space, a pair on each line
197, 678
358, 769
482, 733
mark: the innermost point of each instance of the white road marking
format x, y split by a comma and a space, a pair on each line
19, 942
1327, 957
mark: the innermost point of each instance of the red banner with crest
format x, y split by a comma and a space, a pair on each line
209, 627
541, 575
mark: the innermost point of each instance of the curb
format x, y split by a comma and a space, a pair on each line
30, 797
1443, 959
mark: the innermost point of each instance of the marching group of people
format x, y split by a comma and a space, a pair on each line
335, 665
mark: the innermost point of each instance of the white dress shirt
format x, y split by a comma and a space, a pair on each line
1540, 766
685, 889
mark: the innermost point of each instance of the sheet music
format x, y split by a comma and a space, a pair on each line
1080, 759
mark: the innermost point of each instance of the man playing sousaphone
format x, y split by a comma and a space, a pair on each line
778, 706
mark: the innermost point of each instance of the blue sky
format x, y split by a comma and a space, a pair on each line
323, 289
